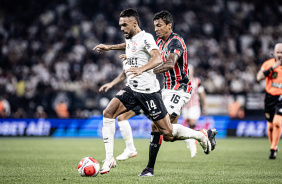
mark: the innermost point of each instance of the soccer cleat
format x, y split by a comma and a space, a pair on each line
108, 164
273, 153
192, 145
205, 143
211, 134
147, 172
127, 154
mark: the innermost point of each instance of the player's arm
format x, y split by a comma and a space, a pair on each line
121, 77
168, 64
155, 61
262, 74
102, 47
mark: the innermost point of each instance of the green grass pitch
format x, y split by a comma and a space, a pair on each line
49, 160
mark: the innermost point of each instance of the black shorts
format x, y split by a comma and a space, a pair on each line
151, 103
137, 110
272, 106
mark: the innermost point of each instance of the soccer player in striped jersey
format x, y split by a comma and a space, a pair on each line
177, 87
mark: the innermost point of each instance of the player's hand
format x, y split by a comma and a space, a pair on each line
105, 87
123, 57
277, 63
101, 47
133, 72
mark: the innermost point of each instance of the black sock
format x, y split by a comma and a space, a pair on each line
155, 144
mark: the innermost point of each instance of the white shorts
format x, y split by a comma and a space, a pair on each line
191, 113
174, 100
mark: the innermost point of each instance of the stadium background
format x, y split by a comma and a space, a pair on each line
46, 59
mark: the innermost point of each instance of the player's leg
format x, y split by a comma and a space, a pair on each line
114, 108
270, 132
174, 132
163, 126
126, 132
271, 107
155, 144
170, 131
174, 101
277, 120
192, 114
122, 102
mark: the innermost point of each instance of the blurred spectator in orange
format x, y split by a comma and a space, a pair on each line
4, 108
61, 109
236, 110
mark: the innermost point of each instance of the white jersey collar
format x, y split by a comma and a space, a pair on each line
137, 35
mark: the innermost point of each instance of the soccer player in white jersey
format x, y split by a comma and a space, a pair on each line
191, 112
142, 89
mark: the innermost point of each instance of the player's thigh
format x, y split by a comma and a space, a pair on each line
126, 115
277, 120
173, 119
164, 125
270, 106
174, 100
152, 105
114, 108
123, 101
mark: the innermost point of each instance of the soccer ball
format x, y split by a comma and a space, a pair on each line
88, 166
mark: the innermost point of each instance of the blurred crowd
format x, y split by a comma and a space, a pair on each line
48, 68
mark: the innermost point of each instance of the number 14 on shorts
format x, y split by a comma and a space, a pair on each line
151, 105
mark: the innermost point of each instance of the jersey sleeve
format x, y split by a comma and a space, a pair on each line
267, 64
149, 43
175, 46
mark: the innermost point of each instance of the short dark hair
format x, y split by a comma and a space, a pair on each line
130, 13
165, 16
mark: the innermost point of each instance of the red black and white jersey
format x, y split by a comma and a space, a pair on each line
178, 76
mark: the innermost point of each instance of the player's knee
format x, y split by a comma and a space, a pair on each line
121, 118
167, 133
154, 128
277, 124
107, 114
168, 138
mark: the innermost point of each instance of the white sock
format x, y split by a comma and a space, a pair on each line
188, 141
126, 132
183, 132
108, 131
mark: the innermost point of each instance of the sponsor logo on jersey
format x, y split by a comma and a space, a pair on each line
132, 62
147, 45
274, 75
165, 49
276, 85
156, 117
134, 47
